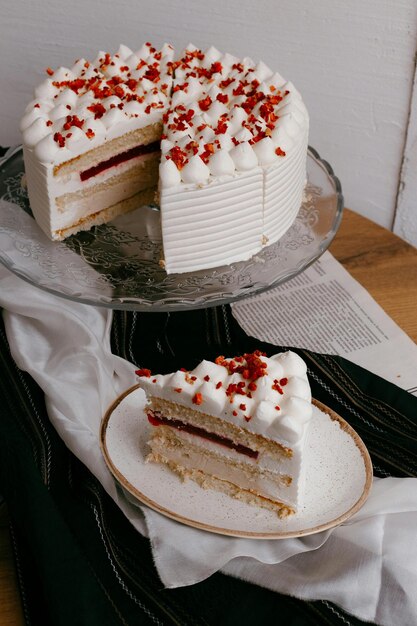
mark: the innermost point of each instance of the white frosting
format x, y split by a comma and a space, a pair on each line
221, 163
265, 151
169, 174
273, 410
195, 171
68, 93
244, 157
230, 119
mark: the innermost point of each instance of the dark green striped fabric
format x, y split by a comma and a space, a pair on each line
81, 562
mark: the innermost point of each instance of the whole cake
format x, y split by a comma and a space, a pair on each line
238, 426
222, 141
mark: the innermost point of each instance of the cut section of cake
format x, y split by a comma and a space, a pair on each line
92, 138
239, 426
219, 142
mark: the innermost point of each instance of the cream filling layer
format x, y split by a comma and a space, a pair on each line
83, 207
45, 188
261, 484
282, 467
72, 182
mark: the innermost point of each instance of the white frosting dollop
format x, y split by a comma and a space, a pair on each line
195, 171
169, 174
35, 132
244, 157
221, 163
265, 151
46, 90
46, 150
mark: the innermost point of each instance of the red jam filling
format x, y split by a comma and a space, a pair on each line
119, 158
158, 420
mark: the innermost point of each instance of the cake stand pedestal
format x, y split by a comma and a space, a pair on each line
116, 265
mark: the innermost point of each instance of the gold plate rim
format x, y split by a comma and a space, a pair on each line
143, 499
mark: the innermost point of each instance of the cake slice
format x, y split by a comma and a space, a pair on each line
238, 426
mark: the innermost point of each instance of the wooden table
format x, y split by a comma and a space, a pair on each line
384, 264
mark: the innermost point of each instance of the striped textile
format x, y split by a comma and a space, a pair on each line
80, 561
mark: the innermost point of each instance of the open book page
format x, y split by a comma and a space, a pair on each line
325, 310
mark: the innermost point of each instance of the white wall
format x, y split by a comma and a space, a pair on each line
353, 62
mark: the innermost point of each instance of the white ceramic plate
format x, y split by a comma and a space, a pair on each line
339, 477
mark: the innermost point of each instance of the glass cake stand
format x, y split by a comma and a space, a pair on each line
116, 265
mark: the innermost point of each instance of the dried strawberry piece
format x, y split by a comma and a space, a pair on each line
221, 127
59, 139
98, 109
238, 66
222, 97
266, 111
216, 68
226, 82
258, 137
275, 99
106, 61
205, 103
208, 151
198, 399
182, 87
115, 80
192, 145
276, 387
76, 84
152, 74
143, 372
239, 90
178, 156
73, 120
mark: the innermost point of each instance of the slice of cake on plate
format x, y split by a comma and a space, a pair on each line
238, 426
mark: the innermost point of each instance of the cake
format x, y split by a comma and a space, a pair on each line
239, 426
219, 142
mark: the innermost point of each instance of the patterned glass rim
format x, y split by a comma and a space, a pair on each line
141, 284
